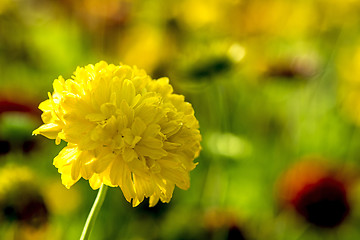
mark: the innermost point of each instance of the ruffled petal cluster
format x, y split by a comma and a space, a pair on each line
123, 129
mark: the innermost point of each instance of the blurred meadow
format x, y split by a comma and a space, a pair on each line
275, 86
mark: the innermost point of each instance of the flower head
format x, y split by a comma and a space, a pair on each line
123, 129
316, 192
21, 199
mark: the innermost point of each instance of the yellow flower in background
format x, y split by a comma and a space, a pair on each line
22, 202
131, 46
349, 83
12, 178
123, 129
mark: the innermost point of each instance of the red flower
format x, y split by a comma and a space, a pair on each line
316, 192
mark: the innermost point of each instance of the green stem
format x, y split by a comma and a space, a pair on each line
90, 221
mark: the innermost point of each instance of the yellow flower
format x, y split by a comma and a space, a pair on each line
22, 200
123, 129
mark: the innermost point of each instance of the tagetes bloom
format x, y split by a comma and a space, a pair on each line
123, 129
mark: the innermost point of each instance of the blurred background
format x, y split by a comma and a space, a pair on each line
275, 86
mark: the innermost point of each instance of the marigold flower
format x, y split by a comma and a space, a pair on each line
123, 129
